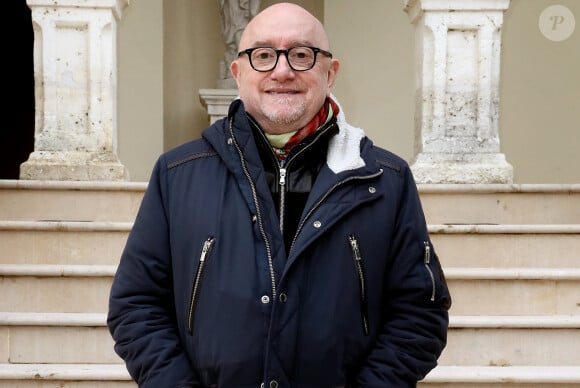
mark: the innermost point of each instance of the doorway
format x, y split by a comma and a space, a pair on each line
17, 120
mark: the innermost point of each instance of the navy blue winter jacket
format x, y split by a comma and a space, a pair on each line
206, 296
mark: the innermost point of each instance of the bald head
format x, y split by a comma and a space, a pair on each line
280, 22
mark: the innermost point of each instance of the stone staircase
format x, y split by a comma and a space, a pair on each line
60, 244
512, 259
511, 255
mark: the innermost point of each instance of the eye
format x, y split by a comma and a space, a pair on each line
264, 54
302, 53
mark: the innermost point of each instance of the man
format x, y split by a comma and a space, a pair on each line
283, 249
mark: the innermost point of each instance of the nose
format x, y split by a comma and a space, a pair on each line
282, 69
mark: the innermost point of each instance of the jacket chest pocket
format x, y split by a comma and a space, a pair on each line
197, 281
360, 273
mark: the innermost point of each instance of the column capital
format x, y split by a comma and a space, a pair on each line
415, 8
117, 6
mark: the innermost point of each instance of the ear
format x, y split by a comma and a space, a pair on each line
235, 69
332, 73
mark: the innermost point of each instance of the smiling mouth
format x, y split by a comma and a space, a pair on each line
282, 92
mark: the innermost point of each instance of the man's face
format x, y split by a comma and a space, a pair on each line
283, 100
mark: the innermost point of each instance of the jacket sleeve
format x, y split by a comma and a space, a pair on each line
141, 315
415, 306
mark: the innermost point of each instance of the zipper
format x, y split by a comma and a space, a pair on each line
283, 170
358, 261
326, 194
205, 250
282, 182
258, 211
427, 260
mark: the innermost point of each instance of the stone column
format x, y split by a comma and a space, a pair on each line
75, 72
458, 46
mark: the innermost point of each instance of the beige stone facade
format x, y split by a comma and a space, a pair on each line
393, 60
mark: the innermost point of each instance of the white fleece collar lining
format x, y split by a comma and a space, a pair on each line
344, 147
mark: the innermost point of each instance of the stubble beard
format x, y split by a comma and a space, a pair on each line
285, 111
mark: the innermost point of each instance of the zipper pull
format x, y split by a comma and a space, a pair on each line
282, 176
427, 252
355, 249
205, 250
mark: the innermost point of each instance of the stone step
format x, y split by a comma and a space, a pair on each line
513, 340
443, 204
15, 375
73, 242
501, 246
23, 200
501, 204
514, 291
116, 376
62, 242
40, 288
472, 340
535, 376
516, 348
483, 291
57, 338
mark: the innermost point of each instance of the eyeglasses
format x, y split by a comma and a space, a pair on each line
300, 58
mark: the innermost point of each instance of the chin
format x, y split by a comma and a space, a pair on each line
284, 116
285, 99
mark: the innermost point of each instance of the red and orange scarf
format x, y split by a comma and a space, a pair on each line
329, 107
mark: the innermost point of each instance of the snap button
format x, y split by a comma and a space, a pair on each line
262, 385
273, 384
372, 190
317, 224
265, 299
283, 297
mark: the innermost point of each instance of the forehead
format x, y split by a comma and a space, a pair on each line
284, 30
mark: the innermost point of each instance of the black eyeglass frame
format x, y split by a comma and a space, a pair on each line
316, 50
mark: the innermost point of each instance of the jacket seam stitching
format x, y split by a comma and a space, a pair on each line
191, 157
390, 165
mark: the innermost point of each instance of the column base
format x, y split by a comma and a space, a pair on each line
462, 168
217, 102
73, 166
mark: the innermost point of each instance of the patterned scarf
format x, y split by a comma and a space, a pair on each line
283, 143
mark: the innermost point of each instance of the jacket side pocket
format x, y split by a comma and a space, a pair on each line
205, 251
359, 266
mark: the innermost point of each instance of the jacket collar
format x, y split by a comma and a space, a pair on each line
343, 148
